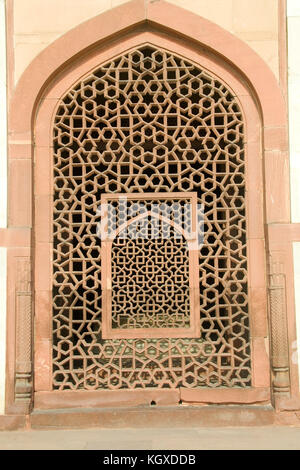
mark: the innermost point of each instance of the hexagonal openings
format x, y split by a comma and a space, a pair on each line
149, 121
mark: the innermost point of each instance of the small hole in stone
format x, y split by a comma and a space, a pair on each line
180, 402
153, 403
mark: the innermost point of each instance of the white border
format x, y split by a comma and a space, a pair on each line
293, 30
293, 38
3, 200
293, 8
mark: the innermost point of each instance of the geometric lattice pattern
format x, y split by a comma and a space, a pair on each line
149, 121
150, 282
149, 260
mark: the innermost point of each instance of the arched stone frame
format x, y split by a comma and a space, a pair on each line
253, 80
43, 234
191, 242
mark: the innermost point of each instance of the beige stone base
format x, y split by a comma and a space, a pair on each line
158, 417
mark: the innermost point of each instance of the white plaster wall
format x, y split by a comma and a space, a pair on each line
3, 201
293, 28
37, 23
253, 21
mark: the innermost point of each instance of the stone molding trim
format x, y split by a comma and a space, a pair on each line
279, 334
282, 315
43, 232
23, 384
111, 29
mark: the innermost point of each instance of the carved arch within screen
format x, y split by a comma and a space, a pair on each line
149, 121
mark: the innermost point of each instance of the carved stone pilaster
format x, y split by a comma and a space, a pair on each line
279, 333
23, 378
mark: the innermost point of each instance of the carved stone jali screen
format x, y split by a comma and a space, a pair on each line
150, 271
148, 311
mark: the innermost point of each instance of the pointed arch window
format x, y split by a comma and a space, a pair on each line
149, 121
150, 272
